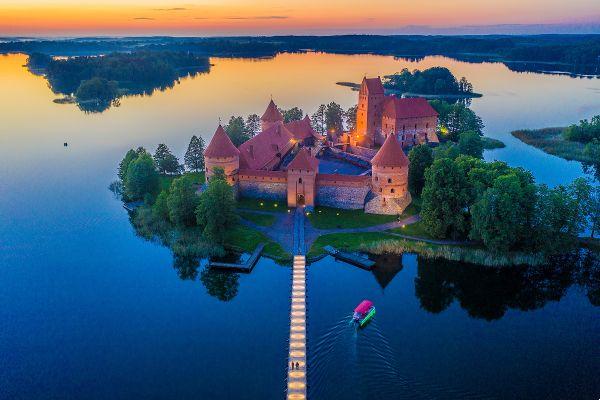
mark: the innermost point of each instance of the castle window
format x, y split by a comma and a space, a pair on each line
380, 190
376, 178
427, 125
392, 191
389, 180
415, 126
299, 180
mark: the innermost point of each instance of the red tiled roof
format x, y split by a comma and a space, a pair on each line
415, 107
220, 145
390, 154
301, 129
342, 178
259, 151
272, 113
304, 160
373, 85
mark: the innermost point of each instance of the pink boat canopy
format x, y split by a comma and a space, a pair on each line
364, 307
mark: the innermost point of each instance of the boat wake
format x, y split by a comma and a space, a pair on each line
346, 362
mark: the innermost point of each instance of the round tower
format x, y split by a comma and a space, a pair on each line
221, 153
390, 178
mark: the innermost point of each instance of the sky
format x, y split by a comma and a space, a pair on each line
269, 17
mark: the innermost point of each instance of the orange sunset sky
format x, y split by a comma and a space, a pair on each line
212, 17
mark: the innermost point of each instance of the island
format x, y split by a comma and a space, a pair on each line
95, 82
377, 185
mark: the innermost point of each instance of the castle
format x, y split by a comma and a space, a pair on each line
289, 161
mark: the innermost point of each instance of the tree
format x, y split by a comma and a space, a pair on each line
420, 157
141, 178
293, 114
318, 120
595, 210
97, 89
182, 202
165, 161
216, 212
499, 216
456, 118
350, 118
445, 198
194, 156
334, 118
160, 208
124, 164
470, 144
592, 150
236, 130
252, 125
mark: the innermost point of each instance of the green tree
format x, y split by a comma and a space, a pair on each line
445, 197
318, 120
194, 156
216, 212
124, 164
165, 161
500, 215
470, 144
446, 150
456, 118
592, 150
293, 114
595, 210
236, 130
160, 208
97, 89
420, 157
182, 202
252, 125
141, 178
334, 118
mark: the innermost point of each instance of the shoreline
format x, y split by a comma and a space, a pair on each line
550, 141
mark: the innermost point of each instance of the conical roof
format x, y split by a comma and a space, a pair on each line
272, 113
304, 160
221, 145
390, 154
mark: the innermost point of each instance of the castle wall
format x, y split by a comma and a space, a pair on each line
268, 185
342, 191
410, 131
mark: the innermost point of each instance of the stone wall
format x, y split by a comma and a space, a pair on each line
348, 197
263, 190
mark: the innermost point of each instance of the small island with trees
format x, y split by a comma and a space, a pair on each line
432, 83
96, 82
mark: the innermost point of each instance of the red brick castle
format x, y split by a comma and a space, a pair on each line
291, 162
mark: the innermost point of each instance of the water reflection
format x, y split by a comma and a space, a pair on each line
222, 285
488, 293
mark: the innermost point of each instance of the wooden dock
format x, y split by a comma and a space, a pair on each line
296, 381
245, 267
350, 258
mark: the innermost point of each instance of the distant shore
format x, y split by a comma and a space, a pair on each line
551, 141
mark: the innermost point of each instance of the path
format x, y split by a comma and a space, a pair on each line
296, 381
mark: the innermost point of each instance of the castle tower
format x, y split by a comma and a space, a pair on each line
221, 153
271, 116
390, 179
301, 177
368, 115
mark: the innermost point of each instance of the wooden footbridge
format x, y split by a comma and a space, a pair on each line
296, 382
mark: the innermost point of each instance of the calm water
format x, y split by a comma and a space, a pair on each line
90, 310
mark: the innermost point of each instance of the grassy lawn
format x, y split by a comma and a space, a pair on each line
164, 181
246, 239
262, 205
551, 141
335, 218
258, 219
345, 241
417, 229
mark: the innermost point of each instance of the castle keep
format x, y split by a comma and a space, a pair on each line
291, 162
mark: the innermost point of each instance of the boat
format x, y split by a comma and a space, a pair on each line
364, 312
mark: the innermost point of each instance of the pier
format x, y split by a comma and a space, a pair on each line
242, 267
350, 258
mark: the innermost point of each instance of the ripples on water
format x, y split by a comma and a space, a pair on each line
348, 362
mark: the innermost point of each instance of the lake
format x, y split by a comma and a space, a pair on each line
90, 310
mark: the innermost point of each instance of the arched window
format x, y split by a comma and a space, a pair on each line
376, 178
392, 191
299, 180
380, 190
427, 125
389, 180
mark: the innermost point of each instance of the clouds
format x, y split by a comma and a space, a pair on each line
260, 17
144, 18
171, 9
